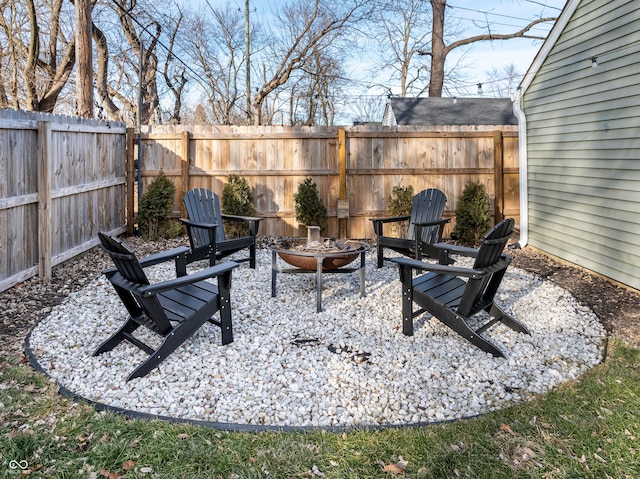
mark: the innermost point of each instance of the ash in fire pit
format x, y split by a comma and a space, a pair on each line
328, 245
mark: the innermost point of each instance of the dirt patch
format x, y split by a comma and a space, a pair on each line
616, 307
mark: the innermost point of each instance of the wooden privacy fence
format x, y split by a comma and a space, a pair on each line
62, 180
355, 168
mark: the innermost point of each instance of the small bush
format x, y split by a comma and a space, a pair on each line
400, 203
155, 208
472, 213
237, 200
309, 208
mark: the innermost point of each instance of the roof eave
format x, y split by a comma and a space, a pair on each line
549, 43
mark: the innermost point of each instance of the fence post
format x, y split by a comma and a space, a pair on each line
184, 178
44, 199
498, 168
131, 176
343, 202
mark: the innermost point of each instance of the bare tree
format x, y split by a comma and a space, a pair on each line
307, 28
84, 58
315, 90
402, 28
131, 18
440, 50
502, 83
104, 91
174, 75
38, 54
216, 46
367, 109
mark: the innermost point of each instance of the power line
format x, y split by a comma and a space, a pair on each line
187, 66
486, 12
544, 5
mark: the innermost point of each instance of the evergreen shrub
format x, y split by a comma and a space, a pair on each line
155, 209
310, 211
400, 203
472, 213
237, 200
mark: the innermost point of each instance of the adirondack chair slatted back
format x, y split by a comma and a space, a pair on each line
203, 206
129, 267
480, 292
124, 259
428, 205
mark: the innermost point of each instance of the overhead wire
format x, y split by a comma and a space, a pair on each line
159, 42
485, 13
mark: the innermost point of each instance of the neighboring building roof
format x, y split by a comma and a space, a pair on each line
449, 111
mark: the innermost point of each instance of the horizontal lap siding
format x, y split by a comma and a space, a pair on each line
583, 143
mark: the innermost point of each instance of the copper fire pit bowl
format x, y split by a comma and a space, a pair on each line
335, 253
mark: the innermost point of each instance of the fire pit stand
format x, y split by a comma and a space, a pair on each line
319, 261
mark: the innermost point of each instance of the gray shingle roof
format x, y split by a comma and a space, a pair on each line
450, 111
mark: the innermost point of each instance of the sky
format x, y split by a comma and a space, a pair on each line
505, 16
471, 18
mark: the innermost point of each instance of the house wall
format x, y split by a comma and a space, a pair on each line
583, 142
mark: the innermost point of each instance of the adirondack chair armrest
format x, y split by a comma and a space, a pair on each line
153, 259
212, 271
163, 256
457, 249
439, 268
194, 224
243, 219
442, 221
379, 222
390, 219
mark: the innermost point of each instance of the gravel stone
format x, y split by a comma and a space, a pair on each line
349, 365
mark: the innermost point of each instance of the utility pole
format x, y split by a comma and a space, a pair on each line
247, 55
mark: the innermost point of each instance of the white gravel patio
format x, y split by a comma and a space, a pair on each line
348, 366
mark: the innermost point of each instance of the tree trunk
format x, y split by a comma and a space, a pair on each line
438, 49
102, 83
84, 62
32, 59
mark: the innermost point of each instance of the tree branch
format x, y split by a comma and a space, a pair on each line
495, 36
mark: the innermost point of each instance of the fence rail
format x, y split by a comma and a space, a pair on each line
62, 180
355, 168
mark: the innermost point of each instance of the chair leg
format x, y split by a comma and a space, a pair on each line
380, 249
507, 320
252, 256
459, 325
116, 338
224, 298
407, 300
171, 342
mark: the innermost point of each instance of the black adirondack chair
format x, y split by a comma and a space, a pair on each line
206, 231
454, 301
174, 309
425, 227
